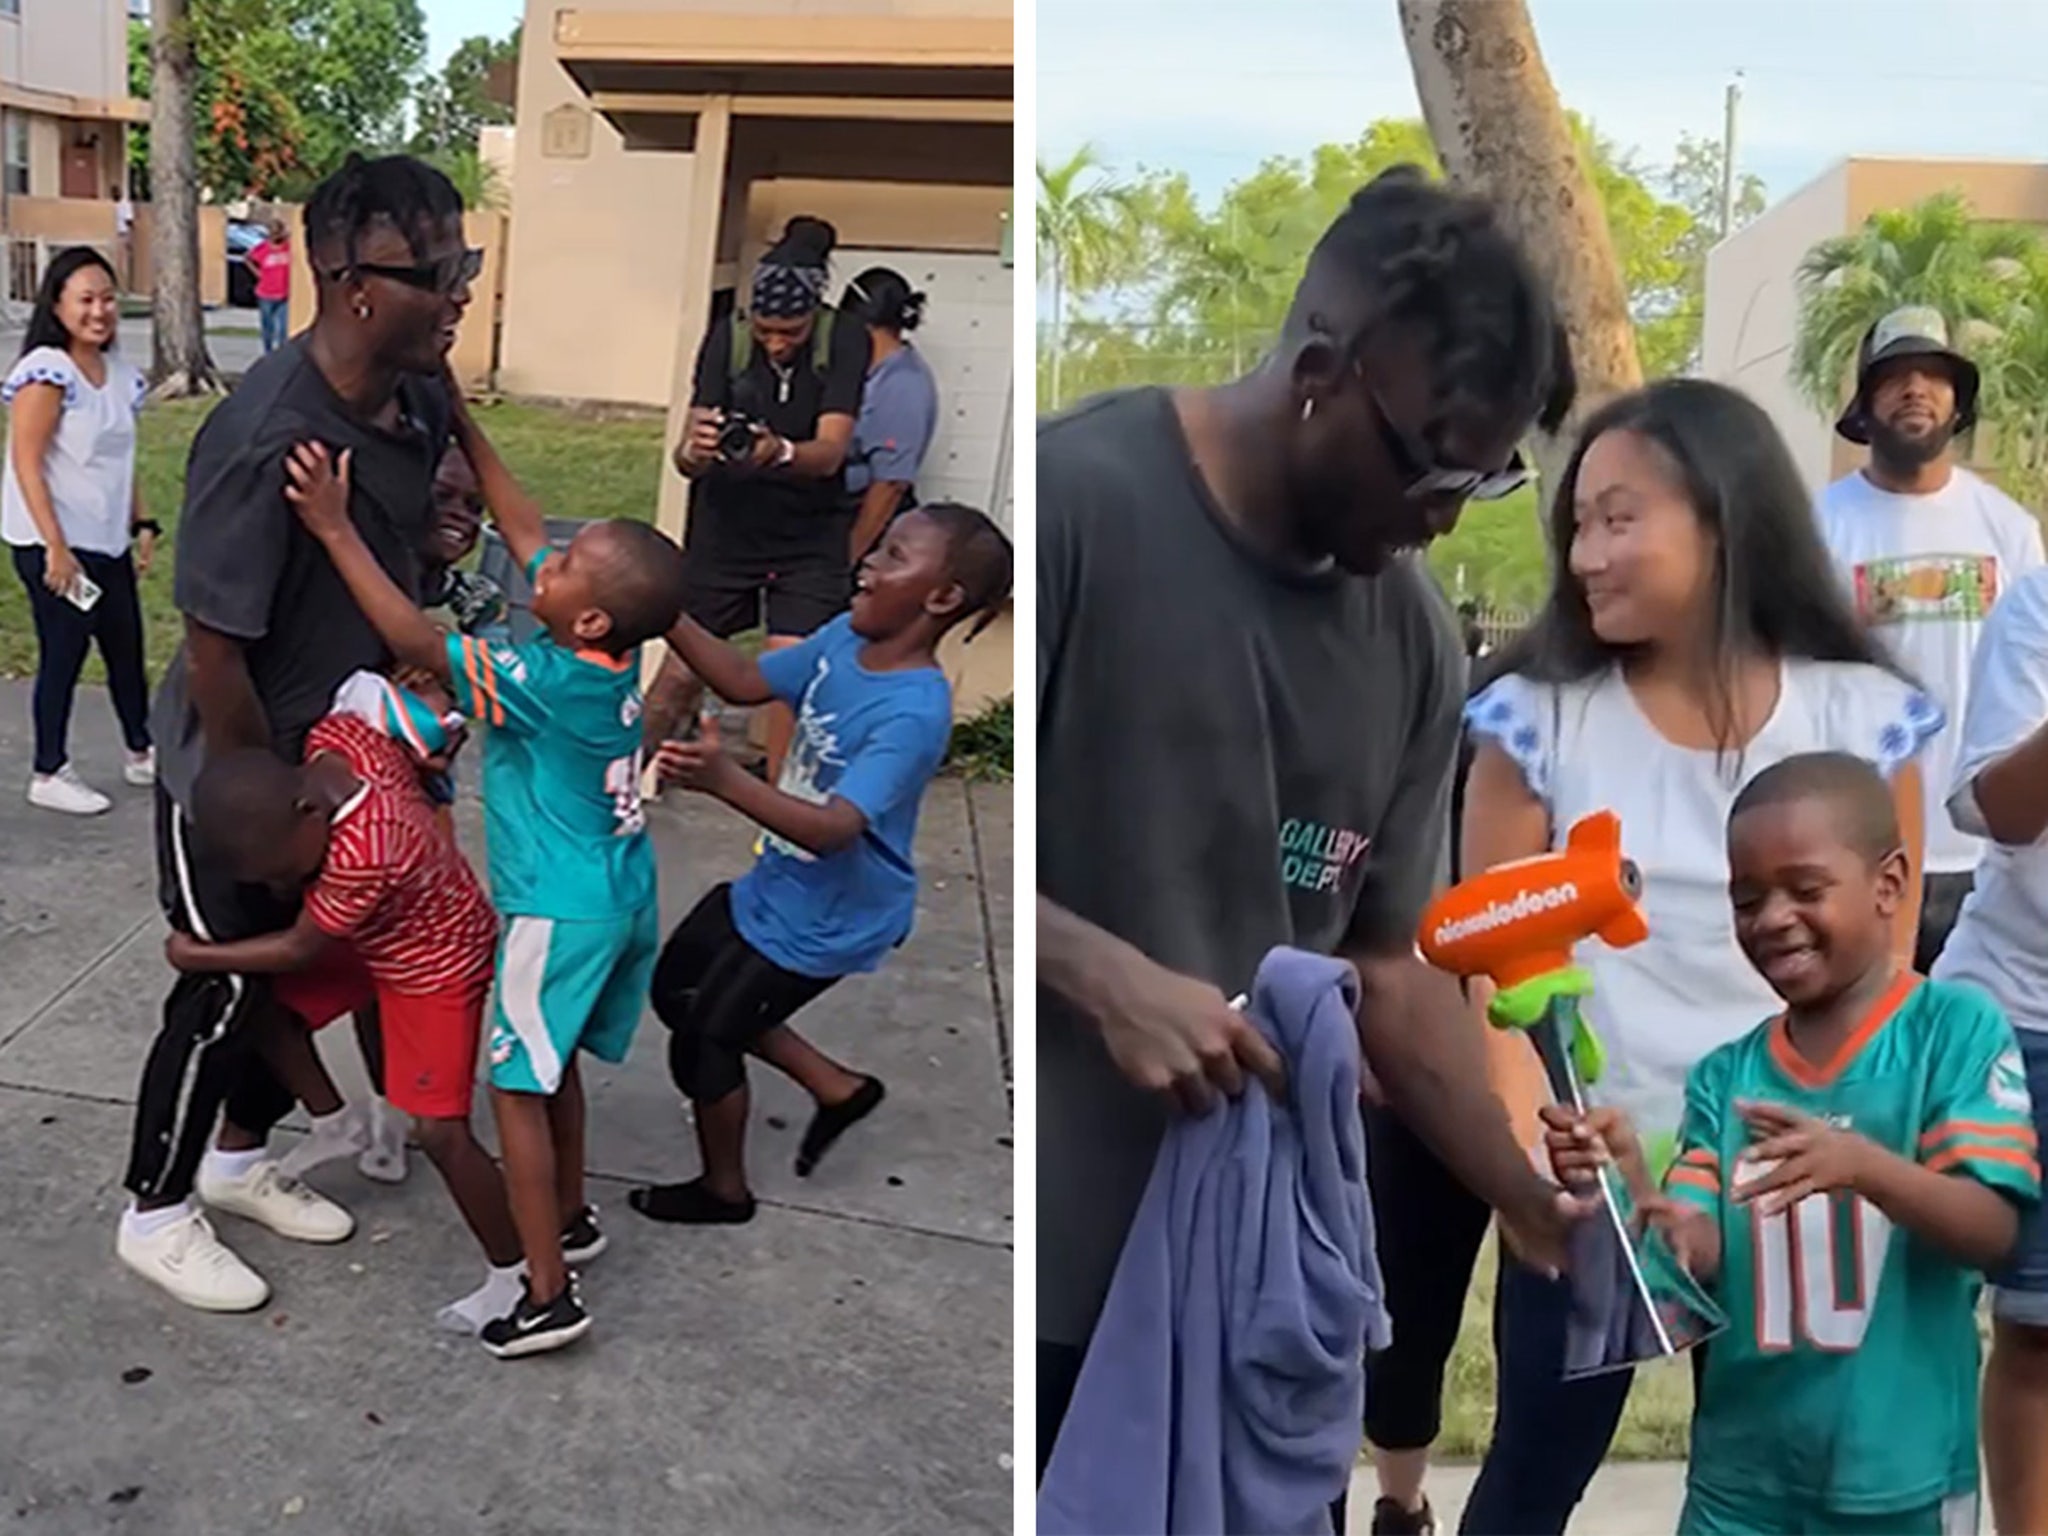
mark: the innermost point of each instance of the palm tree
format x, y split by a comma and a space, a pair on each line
1083, 235
1933, 253
2013, 359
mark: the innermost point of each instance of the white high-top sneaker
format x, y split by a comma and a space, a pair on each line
64, 791
140, 769
187, 1260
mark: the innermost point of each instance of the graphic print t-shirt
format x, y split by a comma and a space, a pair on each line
1924, 572
1232, 756
874, 739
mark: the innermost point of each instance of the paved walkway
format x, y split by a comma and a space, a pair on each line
841, 1365
1628, 1498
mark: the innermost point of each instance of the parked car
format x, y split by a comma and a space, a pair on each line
242, 239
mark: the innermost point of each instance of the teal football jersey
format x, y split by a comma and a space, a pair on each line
1847, 1377
565, 829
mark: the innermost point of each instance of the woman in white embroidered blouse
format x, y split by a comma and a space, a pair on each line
1693, 637
73, 516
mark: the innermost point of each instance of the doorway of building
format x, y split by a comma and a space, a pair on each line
80, 175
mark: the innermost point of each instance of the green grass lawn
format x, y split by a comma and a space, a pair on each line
578, 464
1652, 1429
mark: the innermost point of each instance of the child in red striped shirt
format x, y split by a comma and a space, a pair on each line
393, 917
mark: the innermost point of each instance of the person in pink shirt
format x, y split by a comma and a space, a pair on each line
272, 263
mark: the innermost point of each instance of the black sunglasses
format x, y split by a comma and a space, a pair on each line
1426, 479
443, 276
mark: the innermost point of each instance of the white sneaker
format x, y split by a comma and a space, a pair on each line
66, 792
197, 1268
268, 1195
140, 769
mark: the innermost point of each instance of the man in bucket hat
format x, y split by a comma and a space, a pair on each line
1928, 547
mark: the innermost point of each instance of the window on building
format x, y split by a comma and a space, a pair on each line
16, 165
10, 7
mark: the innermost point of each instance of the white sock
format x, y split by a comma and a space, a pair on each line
384, 1160
498, 1295
148, 1223
341, 1134
223, 1164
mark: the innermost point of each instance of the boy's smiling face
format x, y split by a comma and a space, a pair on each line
1812, 913
904, 579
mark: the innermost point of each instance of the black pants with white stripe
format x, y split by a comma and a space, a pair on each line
201, 1061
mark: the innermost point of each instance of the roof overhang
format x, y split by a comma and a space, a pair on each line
939, 68
121, 109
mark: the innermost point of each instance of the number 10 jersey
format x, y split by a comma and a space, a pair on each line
1847, 1377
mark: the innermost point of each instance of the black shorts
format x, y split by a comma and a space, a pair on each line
729, 592
718, 995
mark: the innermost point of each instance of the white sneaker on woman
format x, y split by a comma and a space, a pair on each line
64, 791
140, 769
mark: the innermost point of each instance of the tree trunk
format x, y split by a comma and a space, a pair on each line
1501, 133
179, 366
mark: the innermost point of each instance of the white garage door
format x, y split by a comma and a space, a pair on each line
967, 339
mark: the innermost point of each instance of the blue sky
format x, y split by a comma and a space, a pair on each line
1212, 87
450, 21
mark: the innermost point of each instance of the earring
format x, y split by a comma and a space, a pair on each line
1308, 408
362, 311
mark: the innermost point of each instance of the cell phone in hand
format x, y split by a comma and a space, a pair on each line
83, 592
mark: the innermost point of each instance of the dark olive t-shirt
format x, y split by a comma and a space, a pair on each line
1231, 756
247, 567
762, 514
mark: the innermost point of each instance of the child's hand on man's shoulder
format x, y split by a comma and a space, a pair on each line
317, 487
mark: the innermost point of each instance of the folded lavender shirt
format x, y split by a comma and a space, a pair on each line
1223, 1392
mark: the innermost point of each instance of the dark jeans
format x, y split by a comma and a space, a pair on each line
275, 316
1941, 900
1428, 1229
64, 635
1549, 1435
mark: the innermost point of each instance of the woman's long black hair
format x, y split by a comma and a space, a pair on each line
882, 296
44, 328
1775, 589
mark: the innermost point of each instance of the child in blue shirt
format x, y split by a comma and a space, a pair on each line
571, 867
834, 888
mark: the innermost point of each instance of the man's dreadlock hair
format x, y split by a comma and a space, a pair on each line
1424, 258
408, 194
978, 556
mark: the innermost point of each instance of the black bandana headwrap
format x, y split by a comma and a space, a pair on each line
784, 292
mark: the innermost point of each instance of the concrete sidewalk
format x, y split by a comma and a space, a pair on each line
1628, 1498
842, 1364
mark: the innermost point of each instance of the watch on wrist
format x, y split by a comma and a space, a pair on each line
787, 456
146, 525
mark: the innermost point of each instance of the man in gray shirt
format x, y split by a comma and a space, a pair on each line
1249, 694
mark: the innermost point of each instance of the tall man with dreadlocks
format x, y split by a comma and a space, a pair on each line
778, 389
1249, 693
270, 632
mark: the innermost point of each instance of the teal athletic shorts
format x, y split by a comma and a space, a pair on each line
566, 986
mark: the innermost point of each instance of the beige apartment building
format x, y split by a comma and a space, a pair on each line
64, 103
659, 147
1752, 300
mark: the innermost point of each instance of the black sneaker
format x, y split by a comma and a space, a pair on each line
530, 1330
1390, 1519
583, 1239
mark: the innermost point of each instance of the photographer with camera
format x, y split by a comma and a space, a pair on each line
777, 392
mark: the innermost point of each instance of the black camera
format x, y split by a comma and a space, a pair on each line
736, 437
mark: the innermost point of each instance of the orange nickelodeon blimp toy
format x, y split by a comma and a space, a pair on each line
1517, 925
